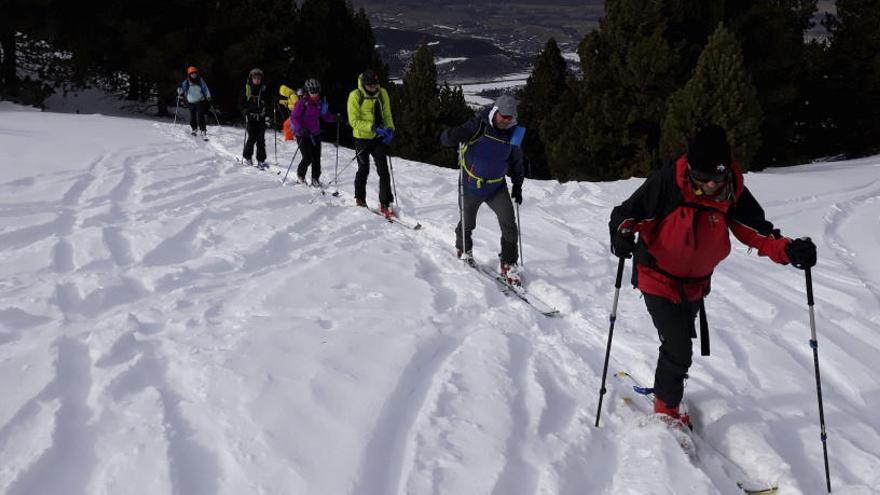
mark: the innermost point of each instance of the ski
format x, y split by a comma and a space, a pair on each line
397, 220
645, 396
517, 291
268, 169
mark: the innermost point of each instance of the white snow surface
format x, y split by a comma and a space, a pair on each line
171, 322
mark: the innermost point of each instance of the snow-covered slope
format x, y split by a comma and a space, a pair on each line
171, 322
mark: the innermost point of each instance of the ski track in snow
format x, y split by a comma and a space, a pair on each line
173, 322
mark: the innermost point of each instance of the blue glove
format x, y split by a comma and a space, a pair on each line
380, 131
324, 108
389, 135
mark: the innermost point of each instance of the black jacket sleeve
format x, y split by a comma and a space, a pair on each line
454, 135
643, 206
515, 165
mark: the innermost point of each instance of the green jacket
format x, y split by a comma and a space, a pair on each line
362, 111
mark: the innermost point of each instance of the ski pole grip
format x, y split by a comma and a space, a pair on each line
809, 274
619, 278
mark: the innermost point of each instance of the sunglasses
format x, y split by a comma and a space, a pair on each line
702, 176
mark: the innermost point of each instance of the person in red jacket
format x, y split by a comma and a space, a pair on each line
682, 214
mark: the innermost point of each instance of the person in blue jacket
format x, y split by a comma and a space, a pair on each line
490, 150
195, 92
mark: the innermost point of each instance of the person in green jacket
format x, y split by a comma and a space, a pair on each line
369, 114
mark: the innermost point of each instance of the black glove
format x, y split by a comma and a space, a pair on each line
623, 245
801, 253
304, 132
516, 193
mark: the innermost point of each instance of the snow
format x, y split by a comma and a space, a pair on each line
174, 323
449, 60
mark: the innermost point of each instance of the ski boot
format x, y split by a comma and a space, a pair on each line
673, 416
467, 257
387, 211
510, 272
360, 202
316, 183
248, 162
193, 132
263, 166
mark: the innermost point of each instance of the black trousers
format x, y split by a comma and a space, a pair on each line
375, 148
197, 113
310, 149
676, 328
256, 134
501, 204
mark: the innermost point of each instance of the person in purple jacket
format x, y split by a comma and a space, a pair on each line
306, 119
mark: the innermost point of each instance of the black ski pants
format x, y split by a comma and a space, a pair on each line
310, 149
676, 328
364, 148
256, 134
501, 204
197, 113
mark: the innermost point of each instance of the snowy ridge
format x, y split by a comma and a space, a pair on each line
172, 322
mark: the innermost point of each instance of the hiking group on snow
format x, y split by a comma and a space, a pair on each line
675, 226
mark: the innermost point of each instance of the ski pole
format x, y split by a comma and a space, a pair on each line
461, 200
815, 345
176, 104
288, 167
335, 181
275, 128
519, 234
336, 173
246, 123
612, 319
393, 182
214, 112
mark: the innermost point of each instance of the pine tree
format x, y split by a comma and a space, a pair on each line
854, 82
418, 115
720, 92
544, 88
772, 38
334, 44
453, 108
630, 68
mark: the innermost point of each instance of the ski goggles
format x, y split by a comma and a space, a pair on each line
719, 175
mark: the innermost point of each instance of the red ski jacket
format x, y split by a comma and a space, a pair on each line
683, 236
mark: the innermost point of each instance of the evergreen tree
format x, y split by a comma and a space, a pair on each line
453, 108
720, 92
630, 68
854, 80
537, 100
334, 44
418, 115
771, 34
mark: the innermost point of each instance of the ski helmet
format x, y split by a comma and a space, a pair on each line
313, 86
190, 70
256, 72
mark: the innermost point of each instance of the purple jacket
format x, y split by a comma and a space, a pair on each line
307, 113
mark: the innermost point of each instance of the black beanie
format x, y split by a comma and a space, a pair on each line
370, 77
708, 150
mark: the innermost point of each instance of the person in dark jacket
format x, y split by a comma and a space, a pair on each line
682, 215
306, 117
254, 107
489, 151
196, 94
